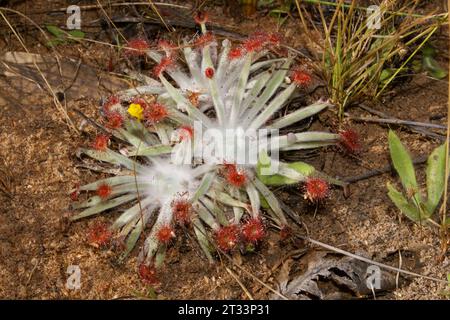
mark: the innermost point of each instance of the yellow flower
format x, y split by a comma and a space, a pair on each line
136, 111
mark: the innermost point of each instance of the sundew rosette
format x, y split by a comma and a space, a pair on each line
152, 137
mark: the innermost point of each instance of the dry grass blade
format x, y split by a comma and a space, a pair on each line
235, 277
359, 61
291, 214
399, 122
116, 4
248, 273
254, 277
110, 21
381, 265
6, 182
159, 16
58, 105
395, 13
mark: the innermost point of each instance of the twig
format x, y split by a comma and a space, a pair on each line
291, 214
400, 263
416, 129
32, 271
351, 255
74, 78
160, 17
177, 22
376, 172
253, 276
92, 122
373, 111
379, 264
110, 21
117, 4
240, 283
399, 122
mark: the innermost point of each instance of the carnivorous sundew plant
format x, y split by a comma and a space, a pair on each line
178, 143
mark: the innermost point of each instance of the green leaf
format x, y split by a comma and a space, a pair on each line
201, 235
275, 180
302, 168
264, 203
385, 74
54, 42
273, 107
182, 102
272, 86
253, 196
435, 177
278, 11
403, 165
132, 240
204, 186
255, 90
151, 151
112, 157
132, 135
226, 199
240, 89
132, 213
271, 199
408, 209
160, 255
289, 173
103, 206
264, 163
447, 222
205, 215
433, 68
431, 65
216, 211
56, 31
299, 115
305, 140
112, 181
78, 34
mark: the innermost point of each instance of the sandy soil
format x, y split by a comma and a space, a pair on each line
37, 245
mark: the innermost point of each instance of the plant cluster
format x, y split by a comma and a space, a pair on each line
360, 54
411, 202
151, 138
